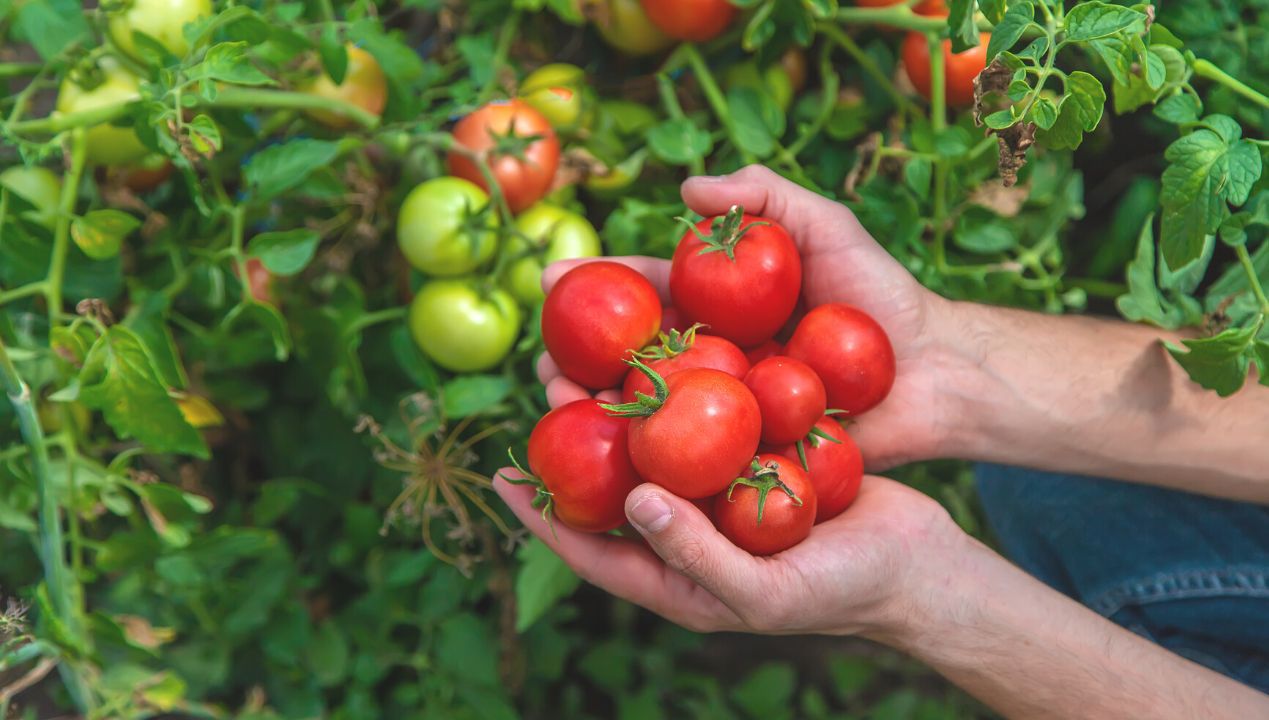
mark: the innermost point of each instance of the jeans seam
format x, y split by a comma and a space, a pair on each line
1227, 581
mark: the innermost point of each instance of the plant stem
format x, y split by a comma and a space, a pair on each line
897, 16
35, 288
8, 70
505, 36
1252, 279
61, 235
56, 578
938, 121
238, 221
1204, 68
865, 61
714, 96
261, 98
374, 318
665, 88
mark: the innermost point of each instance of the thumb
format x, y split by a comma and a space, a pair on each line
688, 542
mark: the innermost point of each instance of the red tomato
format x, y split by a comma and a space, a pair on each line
595, 315
849, 351
579, 453
835, 468
790, 396
960, 69
522, 151
770, 348
696, 435
690, 20
680, 351
738, 274
259, 282
770, 510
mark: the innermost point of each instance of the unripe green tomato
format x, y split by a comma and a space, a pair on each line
445, 227
629, 29
555, 234
162, 20
556, 90
619, 176
773, 81
39, 186
107, 144
461, 328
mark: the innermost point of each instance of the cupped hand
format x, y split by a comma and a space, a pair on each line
841, 262
867, 571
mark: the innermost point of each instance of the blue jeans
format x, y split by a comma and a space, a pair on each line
1188, 572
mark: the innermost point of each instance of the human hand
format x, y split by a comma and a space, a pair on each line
841, 262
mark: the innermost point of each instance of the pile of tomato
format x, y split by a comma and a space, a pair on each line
736, 409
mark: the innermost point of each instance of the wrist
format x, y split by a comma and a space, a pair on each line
958, 341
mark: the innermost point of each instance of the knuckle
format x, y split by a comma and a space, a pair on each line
690, 558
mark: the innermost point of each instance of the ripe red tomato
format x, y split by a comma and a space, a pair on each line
960, 69
738, 274
595, 315
259, 282
696, 435
579, 453
680, 351
690, 20
835, 468
522, 150
790, 396
770, 510
770, 348
849, 351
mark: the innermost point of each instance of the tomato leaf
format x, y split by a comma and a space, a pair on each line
1156, 294
1179, 108
284, 253
756, 120
100, 233
228, 62
334, 54
51, 26
471, 394
679, 142
1079, 111
1092, 20
542, 581
961, 25
1010, 28
279, 168
1219, 362
120, 379
767, 691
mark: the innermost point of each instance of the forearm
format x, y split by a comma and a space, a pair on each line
1029, 652
1100, 397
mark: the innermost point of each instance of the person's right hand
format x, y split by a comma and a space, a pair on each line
841, 262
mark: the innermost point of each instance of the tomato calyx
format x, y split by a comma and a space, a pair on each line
510, 144
673, 344
815, 437
542, 497
725, 232
644, 404
764, 480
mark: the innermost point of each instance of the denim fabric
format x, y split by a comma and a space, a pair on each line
1190, 573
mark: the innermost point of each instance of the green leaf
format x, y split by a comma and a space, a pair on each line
333, 52
994, 10
284, 253
1044, 113
760, 28
1219, 362
1001, 119
962, 26
1079, 111
119, 379
1179, 108
100, 233
279, 168
679, 142
1010, 29
756, 120
916, 174
1119, 54
51, 26
542, 581
979, 230
478, 52
1146, 300
228, 62
470, 394
1261, 350
328, 654
767, 691
1091, 20
204, 133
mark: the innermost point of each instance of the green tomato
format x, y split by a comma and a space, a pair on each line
446, 227
773, 81
619, 176
556, 90
106, 144
462, 329
550, 233
39, 186
624, 25
162, 20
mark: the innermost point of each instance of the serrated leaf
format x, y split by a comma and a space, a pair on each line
1219, 362
279, 168
471, 394
542, 581
286, 252
228, 62
1079, 111
119, 379
679, 142
1091, 20
334, 53
1180, 108
1010, 29
100, 233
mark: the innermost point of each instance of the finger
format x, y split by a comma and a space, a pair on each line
547, 369
656, 270
609, 396
690, 544
622, 566
562, 391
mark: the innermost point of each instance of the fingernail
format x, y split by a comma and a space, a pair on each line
708, 178
651, 514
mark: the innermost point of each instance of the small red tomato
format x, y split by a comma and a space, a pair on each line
594, 317
834, 465
579, 454
680, 351
790, 396
849, 351
690, 20
696, 434
738, 274
770, 509
960, 69
523, 151
770, 348
259, 282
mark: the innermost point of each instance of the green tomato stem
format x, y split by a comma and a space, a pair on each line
897, 16
61, 234
865, 61
665, 88
714, 96
239, 97
1252, 279
10, 70
1205, 69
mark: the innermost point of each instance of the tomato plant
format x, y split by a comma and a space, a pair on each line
680, 351
768, 510
849, 351
833, 463
522, 147
739, 275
